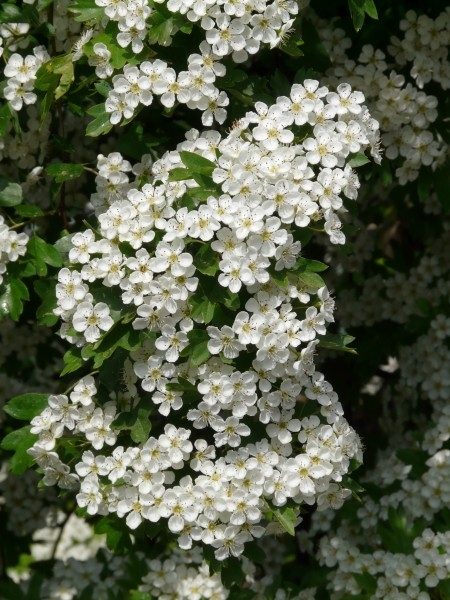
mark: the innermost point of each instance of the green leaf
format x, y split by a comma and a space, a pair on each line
119, 336
86, 10
197, 165
353, 486
26, 406
63, 68
366, 582
371, 9
191, 396
232, 572
286, 518
99, 125
11, 591
307, 265
255, 553
416, 458
45, 288
29, 211
103, 88
311, 280
205, 261
10, 13
160, 28
73, 361
119, 56
64, 171
358, 10
117, 534
43, 254
197, 350
358, 160
141, 428
179, 174
137, 595
232, 77
5, 119
11, 194
19, 441
64, 244
201, 307
11, 301
337, 341
290, 45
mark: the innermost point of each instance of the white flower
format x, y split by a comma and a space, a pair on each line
90, 319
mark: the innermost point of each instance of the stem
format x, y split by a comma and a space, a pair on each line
60, 533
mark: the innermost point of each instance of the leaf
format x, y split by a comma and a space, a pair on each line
11, 301
141, 427
311, 280
73, 361
5, 119
103, 88
160, 28
358, 160
45, 288
358, 10
117, 534
43, 254
29, 211
179, 174
86, 10
198, 165
26, 406
10, 13
10, 590
200, 354
120, 335
371, 9
137, 595
119, 56
64, 244
309, 266
291, 45
197, 350
11, 194
64, 171
286, 518
366, 582
337, 341
99, 125
353, 486
19, 441
205, 261
201, 307
255, 553
416, 458
232, 572
232, 77
61, 67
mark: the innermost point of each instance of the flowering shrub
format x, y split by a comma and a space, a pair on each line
204, 205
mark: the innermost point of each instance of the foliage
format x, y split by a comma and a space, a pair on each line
210, 212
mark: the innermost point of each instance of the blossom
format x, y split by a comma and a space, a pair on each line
90, 319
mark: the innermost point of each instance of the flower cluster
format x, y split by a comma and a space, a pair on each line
194, 87
405, 112
162, 248
12, 245
21, 74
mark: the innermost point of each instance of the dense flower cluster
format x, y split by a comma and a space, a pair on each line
12, 245
419, 500
266, 191
405, 112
